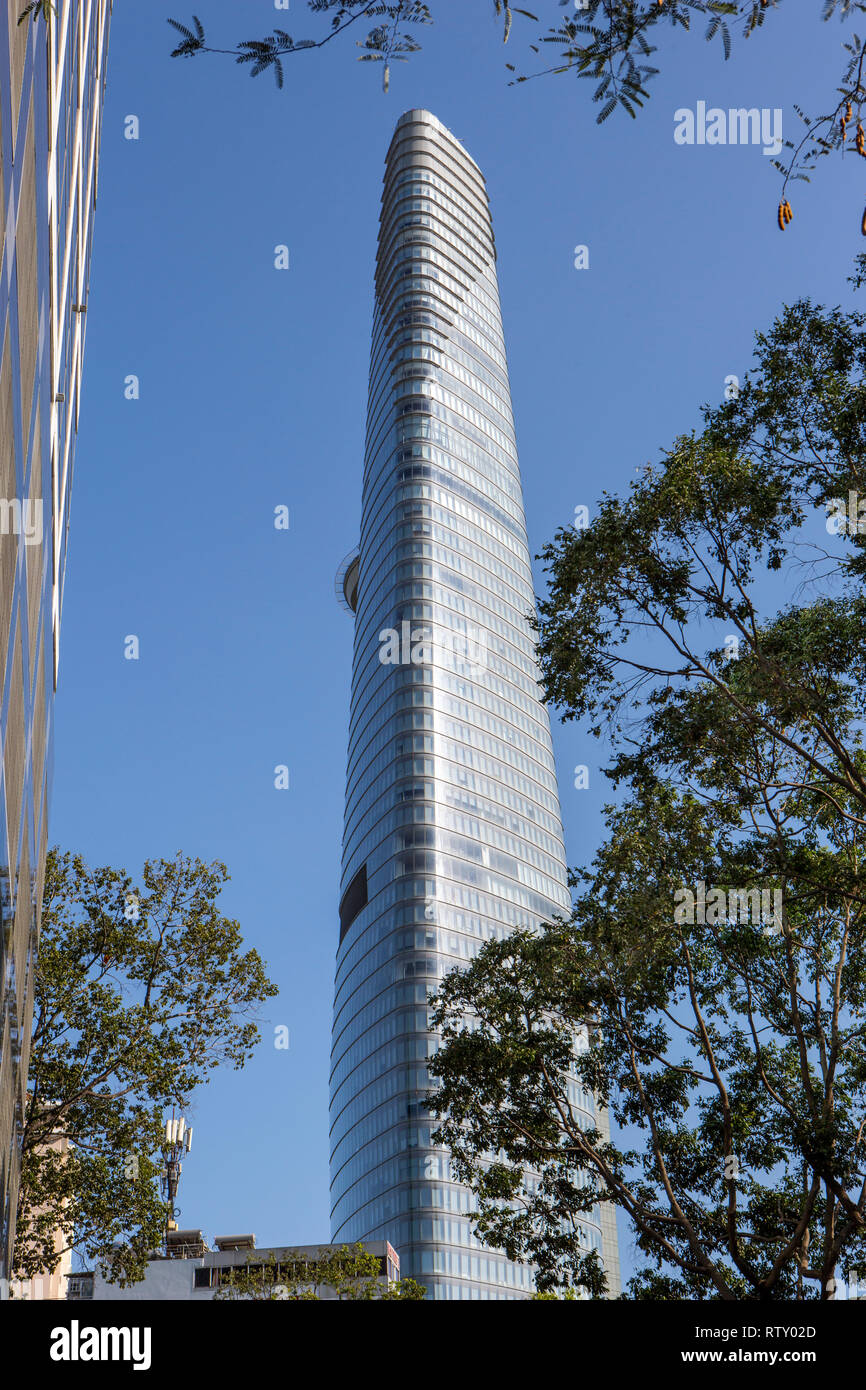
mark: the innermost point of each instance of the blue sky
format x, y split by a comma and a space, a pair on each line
253, 393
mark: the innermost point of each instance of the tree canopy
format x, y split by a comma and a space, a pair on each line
348, 1273
141, 991
714, 964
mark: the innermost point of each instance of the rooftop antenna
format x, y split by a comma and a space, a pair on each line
177, 1142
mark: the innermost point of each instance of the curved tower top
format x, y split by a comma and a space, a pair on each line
453, 833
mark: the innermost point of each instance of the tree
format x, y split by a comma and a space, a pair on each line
715, 955
351, 1271
140, 992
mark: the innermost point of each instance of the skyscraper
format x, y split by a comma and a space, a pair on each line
52, 78
453, 832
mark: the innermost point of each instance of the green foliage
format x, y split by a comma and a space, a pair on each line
38, 9
729, 1049
350, 1272
613, 45
140, 992
192, 40
610, 45
386, 42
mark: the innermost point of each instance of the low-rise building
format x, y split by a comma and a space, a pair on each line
190, 1270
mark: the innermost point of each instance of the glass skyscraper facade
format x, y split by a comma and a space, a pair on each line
52, 79
453, 831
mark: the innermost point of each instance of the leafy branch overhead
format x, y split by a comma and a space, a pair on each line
612, 43
386, 42
43, 9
